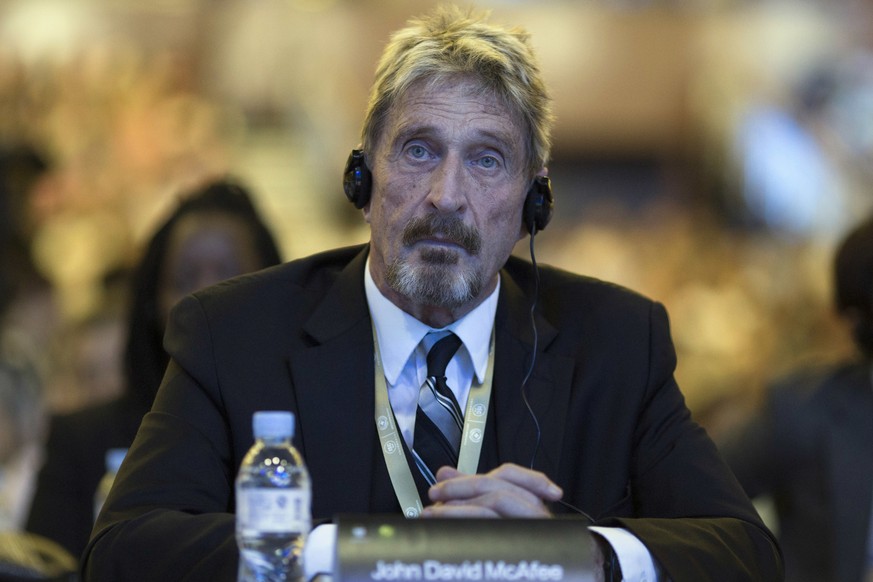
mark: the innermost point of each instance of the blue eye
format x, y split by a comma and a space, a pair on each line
417, 152
488, 162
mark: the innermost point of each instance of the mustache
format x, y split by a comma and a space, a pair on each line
448, 228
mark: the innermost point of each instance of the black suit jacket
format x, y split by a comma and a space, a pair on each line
811, 448
616, 434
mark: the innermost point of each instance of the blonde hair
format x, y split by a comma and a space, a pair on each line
450, 42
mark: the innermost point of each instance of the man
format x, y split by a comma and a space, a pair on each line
455, 145
810, 445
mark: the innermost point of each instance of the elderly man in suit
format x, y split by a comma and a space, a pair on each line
572, 377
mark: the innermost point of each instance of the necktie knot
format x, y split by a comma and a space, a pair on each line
440, 355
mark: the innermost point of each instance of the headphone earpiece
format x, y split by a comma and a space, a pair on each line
357, 180
538, 205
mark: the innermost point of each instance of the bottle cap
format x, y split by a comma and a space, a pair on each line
275, 424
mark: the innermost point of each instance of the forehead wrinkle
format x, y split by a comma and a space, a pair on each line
407, 130
447, 98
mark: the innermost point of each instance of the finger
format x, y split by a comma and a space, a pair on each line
505, 504
501, 497
529, 480
447, 472
452, 484
467, 487
495, 504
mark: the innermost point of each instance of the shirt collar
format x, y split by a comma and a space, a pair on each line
399, 333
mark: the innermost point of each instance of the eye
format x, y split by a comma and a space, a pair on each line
417, 151
488, 162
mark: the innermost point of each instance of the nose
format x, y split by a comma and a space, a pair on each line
448, 186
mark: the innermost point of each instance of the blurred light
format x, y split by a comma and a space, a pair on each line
47, 30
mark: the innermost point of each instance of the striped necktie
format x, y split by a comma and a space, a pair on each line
439, 420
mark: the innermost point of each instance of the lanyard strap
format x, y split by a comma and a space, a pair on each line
389, 436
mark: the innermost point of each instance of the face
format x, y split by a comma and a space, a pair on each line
204, 249
449, 183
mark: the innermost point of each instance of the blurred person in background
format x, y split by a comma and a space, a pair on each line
22, 420
28, 311
28, 319
24, 556
215, 233
20, 168
88, 361
810, 445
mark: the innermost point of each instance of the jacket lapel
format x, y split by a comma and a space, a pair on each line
547, 389
333, 383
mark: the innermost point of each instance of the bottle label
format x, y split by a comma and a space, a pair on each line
274, 510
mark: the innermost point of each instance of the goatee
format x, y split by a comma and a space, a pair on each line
437, 280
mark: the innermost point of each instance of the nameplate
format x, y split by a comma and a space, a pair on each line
376, 548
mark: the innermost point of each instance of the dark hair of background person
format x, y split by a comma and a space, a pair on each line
144, 357
853, 284
20, 167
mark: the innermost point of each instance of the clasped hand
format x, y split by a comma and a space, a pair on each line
507, 491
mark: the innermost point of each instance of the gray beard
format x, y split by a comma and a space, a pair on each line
437, 282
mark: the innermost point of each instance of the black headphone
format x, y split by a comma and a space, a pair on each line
358, 183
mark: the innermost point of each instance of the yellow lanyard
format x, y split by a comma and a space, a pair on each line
389, 436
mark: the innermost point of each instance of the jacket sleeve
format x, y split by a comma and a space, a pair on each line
688, 508
170, 509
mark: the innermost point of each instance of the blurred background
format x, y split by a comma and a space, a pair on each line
708, 153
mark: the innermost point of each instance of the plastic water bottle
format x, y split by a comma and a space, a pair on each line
114, 457
273, 496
